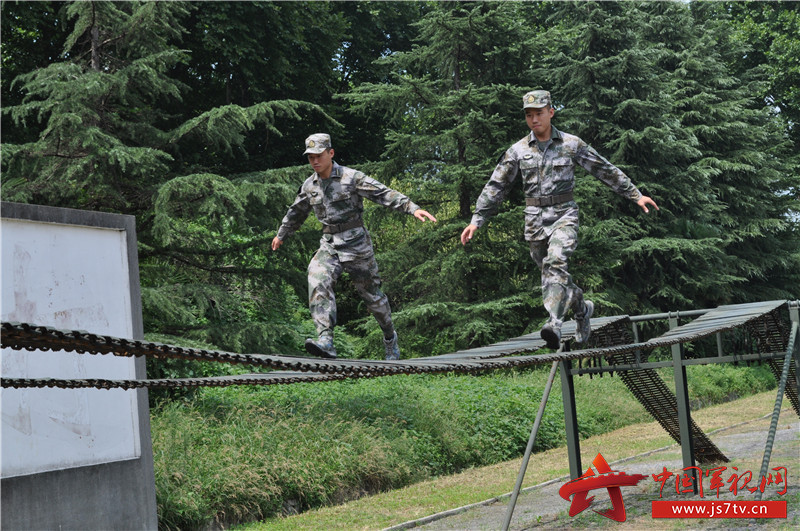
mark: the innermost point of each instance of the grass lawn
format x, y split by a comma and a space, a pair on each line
479, 484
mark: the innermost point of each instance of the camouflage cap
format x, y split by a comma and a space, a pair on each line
536, 99
317, 143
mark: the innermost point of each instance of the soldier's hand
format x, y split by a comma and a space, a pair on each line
644, 201
422, 215
276, 242
466, 236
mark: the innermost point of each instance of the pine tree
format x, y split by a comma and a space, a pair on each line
772, 29
108, 142
92, 148
753, 161
197, 138
649, 87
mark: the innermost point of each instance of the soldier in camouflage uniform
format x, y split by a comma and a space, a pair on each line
546, 160
335, 195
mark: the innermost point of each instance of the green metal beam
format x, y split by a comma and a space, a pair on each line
682, 396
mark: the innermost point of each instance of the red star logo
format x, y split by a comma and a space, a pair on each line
604, 479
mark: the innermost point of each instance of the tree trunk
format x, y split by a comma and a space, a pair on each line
95, 35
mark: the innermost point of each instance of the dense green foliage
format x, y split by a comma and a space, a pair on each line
237, 454
191, 119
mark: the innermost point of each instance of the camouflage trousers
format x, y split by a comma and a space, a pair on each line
324, 271
559, 292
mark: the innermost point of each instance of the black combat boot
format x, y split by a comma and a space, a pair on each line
323, 347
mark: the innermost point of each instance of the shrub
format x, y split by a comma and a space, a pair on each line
245, 453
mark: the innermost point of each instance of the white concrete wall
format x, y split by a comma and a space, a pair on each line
73, 458
76, 278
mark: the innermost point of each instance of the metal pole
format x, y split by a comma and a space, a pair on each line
570, 419
794, 315
657, 316
773, 425
682, 399
529, 449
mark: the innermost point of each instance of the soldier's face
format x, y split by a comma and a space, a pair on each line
322, 163
539, 119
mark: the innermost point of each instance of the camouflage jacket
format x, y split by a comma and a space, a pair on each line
338, 200
548, 173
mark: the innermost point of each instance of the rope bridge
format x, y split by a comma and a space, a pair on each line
610, 334
611, 343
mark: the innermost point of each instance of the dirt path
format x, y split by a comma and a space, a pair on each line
541, 507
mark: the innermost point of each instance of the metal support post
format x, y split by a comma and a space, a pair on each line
682, 397
513, 502
794, 316
570, 420
776, 412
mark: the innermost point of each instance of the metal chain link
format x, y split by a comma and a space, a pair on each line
24, 336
